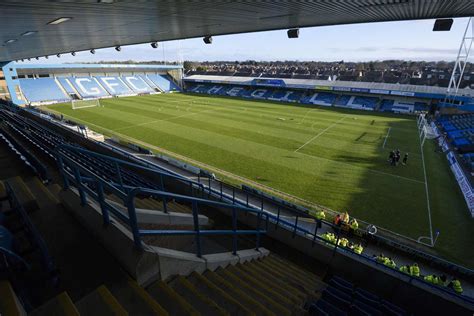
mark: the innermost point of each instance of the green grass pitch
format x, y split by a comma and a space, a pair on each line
328, 156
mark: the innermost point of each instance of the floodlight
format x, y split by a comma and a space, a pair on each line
207, 39
442, 25
73, 53
154, 44
293, 33
58, 55
118, 48
92, 51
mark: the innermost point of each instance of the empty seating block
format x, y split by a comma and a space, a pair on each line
163, 82
87, 87
42, 90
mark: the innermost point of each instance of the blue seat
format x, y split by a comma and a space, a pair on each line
365, 298
343, 282
42, 90
392, 309
87, 87
114, 85
329, 308
163, 82
137, 84
342, 304
341, 286
339, 293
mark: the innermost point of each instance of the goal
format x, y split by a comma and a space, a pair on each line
81, 104
425, 130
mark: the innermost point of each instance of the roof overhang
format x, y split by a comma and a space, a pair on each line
25, 32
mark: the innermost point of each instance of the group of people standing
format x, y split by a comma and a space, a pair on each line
414, 271
394, 157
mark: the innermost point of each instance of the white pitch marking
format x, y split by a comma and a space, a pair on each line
386, 137
321, 133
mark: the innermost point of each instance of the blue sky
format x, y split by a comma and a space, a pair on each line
409, 40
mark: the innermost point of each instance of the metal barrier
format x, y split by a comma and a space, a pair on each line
16, 206
90, 184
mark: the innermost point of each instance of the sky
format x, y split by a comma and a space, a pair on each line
407, 40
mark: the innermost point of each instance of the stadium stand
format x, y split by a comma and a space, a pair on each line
114, 86
256, 276
164, 83
137, 84
42, 90
88, 87
459, 130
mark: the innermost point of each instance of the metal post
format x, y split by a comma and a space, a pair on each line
82, 193
63, 172
165, 207
221, 190
197, 229
296, 226
233, 195
132, 218
234, 228
162, 184
317, 223
209, 194
119, 174
337, 240
103, 207
278, 218
258, 230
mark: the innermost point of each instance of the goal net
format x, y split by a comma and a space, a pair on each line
425, 130
81, 104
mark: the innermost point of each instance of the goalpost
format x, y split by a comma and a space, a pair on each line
425, 130
81, 104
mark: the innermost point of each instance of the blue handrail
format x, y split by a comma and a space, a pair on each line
15, 205
93, 185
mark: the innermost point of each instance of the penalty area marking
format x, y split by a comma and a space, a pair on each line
386, 137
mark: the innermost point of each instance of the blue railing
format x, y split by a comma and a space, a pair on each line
90, 184
35, 236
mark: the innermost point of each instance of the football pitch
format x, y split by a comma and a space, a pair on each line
327, 156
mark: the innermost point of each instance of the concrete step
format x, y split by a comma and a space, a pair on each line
297, 300
23, 193
39, 190
135, 300
61, 305
265, 287
255, 292
200, 302
100, 302
9, 302
304, 273
171, 301
241, 296
281, 279
293, 281
303, 277
223, 299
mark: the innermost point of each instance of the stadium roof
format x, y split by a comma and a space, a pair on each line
44, 27
321, 84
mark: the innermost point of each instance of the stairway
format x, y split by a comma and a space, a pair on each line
268, 286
